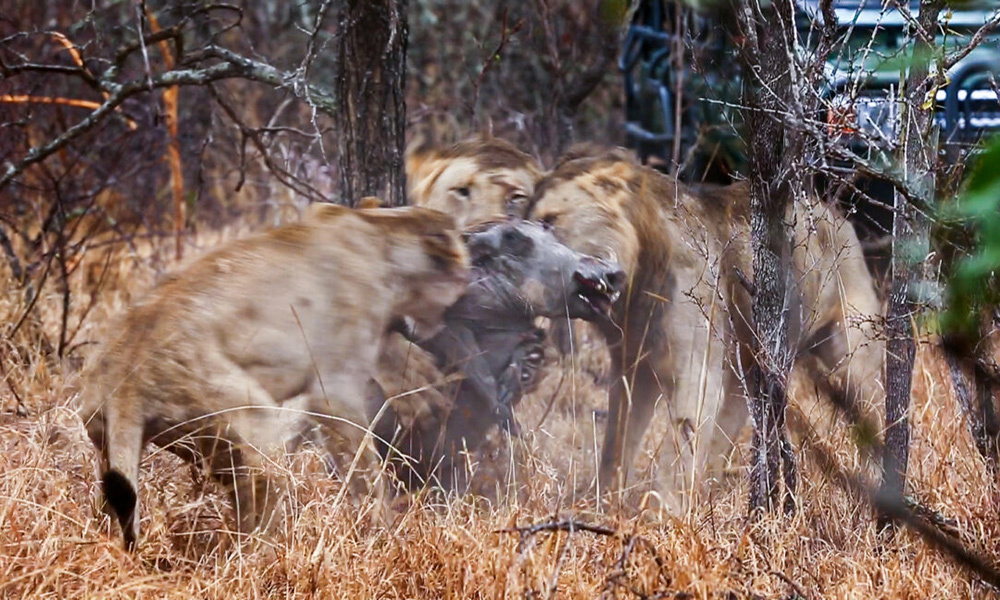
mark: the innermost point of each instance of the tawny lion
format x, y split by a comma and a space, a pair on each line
682, 334
292, 316
473, 180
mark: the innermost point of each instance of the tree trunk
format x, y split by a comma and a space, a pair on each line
976, 401
910, 246
765, 55
371, 118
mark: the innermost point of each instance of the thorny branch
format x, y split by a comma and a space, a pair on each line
988, 27
506, 33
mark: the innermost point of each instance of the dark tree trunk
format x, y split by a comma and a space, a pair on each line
910, 245
765, 58
974, 386
371, 118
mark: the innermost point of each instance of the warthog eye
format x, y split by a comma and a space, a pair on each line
516, 243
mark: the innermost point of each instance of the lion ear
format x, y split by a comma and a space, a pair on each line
417, 153
369, 202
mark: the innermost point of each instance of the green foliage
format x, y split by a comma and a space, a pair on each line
613, 12
974, 222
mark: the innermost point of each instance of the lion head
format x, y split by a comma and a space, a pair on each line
593, 201
474, 180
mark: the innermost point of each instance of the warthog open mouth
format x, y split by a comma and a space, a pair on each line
599, 293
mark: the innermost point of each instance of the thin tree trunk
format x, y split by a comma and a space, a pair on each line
765, 59
968, 376
371, 117
910, 245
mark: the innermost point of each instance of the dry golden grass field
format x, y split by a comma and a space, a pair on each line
55, 543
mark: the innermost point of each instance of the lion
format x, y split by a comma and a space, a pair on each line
289, 318
682, 333
473, 180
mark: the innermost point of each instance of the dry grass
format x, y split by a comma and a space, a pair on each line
54, 542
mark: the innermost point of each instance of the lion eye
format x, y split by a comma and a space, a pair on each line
463, 191
440, 238
548, 222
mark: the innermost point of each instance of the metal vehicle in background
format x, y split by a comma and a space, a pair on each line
683, 85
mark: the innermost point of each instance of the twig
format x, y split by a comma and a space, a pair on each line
312, 49
745, 281
552, 400
253, 135
120, 94
15, 263
977, 38
20, 411
60, 252
568, 525
795, 587
505, 35
619, 570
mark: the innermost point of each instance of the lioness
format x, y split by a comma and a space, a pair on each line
294, 315
687, 255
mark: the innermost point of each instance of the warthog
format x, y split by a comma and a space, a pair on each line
519, 271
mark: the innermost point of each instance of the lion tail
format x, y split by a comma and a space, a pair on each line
120, 480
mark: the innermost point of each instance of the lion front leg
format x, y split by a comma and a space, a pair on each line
695, 369
631, 403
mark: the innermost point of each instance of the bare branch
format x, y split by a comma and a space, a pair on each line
313, 48
119, 95
977, 39
234, 65
254, 135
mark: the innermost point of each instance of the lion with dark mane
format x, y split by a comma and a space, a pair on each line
682, 334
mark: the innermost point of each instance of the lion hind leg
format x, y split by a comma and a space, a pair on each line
251, 427
695, 402
852, 357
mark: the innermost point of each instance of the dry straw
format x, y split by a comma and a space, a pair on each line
55, 543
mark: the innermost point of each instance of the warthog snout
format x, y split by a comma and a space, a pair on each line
597, 284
